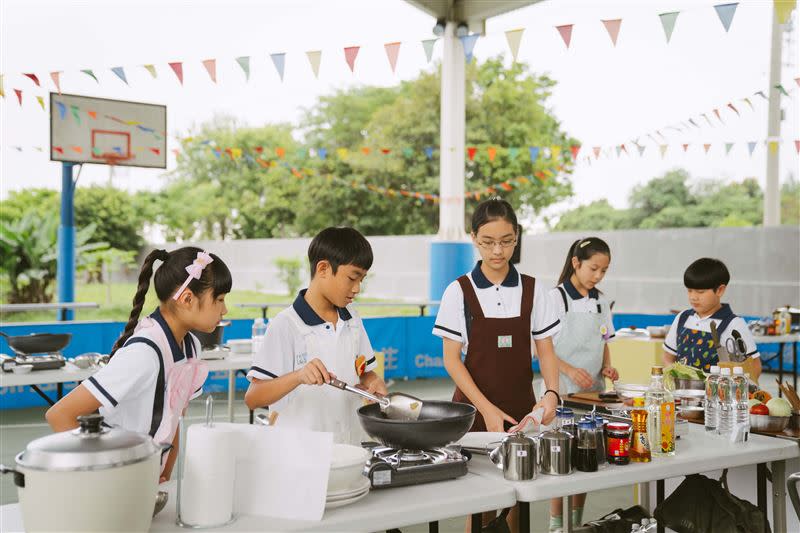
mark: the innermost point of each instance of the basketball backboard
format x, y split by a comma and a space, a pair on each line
113, 132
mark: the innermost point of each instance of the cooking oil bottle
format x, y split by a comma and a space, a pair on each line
640, 443
660, 406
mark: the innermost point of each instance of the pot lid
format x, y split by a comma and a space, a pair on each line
518, 437
90, 447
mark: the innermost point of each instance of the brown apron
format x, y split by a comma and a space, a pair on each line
499, 355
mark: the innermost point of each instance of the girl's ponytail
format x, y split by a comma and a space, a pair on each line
582, 249
138, 299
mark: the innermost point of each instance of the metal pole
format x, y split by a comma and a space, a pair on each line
65, 265
772, 198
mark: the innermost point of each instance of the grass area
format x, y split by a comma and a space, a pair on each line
115, 304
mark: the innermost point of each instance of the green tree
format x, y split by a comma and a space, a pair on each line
114, 214
790, 202
35, 200
648, 200
598, 215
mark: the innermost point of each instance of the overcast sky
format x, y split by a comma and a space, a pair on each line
605, 95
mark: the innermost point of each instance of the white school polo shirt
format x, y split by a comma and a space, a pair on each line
284, 350
126, 386
497, 301
695, 322
581, 304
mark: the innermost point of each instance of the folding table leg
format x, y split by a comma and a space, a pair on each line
524, 517
778, 496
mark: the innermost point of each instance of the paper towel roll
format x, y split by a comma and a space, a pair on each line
209, 475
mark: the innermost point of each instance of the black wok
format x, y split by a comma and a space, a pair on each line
37, 342
439, 424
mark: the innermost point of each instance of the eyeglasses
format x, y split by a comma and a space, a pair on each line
489, 245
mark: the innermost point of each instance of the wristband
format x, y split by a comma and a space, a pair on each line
558, 398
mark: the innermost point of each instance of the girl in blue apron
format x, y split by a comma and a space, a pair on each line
154, 368
581, 343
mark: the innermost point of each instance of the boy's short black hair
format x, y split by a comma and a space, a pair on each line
706, 273
339, 246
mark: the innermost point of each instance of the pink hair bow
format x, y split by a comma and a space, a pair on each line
195, 270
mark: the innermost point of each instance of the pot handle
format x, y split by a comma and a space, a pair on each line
19, 477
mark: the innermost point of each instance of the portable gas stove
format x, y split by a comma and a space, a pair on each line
45, 361
390, 467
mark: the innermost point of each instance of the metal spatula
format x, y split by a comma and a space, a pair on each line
396, 405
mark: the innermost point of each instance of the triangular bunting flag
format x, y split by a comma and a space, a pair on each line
641, 149
761, 94
668, 23
707, 119
279, 60
342, 153
93, 114
619, 150
596, 150
19, 96
555, 152
566, 33
62, 110
685, 147
385, 151
781, 90
612, 27
797, 81
750, 147
120, 72
322, 153
725, 13
211, 67
719, 117
797, 146
468, 42
575, 148
534, 151
427, 45
55, 76
730, 105
693, 123
429, 152
514, 38
663, 149
773, 147
2, 90
89, 73
706, 147
280, 152
152, 70
492, 151
314, 58
76, 114
783, 8
40, 99
350, 54
728, 147
58, 149
177, 68
244, 62
77, 149
748, 102
392, 51
365, 150
34, 78
471, 150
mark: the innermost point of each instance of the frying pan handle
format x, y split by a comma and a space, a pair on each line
339, 384
6, 335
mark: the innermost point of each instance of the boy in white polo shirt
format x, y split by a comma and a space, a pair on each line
318, 338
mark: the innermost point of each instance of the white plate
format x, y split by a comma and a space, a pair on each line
241, 346
342, 503
363, 485
482, 439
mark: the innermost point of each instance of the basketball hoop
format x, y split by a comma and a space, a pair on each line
112, 159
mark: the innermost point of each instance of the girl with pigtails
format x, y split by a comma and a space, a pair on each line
154, 369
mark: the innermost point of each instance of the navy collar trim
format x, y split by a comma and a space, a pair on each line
177, 352
482, 282
309, 316
575, 295
723, 312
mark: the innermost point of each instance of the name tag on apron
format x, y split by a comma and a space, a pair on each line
504, 341
300, 359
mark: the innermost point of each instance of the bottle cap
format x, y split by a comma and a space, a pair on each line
657, 371
725, 371
715, 369
259, 321
738, 371
638, 402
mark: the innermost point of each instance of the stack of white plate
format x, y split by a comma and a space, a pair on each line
348, 495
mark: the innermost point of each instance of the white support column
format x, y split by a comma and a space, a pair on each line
772, 194
453, 138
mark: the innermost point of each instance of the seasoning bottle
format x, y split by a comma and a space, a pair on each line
660, 407
640, 444
618, 443
586, 460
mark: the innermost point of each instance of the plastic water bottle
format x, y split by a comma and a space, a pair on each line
259, 330
741, 387
727, 409
712, 401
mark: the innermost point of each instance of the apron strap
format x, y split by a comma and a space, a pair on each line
683, 318
563, 297
528, 289
158, 399
472, 307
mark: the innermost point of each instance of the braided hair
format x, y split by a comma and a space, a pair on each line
169, 276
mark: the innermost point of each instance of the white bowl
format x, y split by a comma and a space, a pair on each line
241, 346
630, 390
22, 369
347, 466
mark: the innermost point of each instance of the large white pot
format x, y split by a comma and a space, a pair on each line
89, 479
